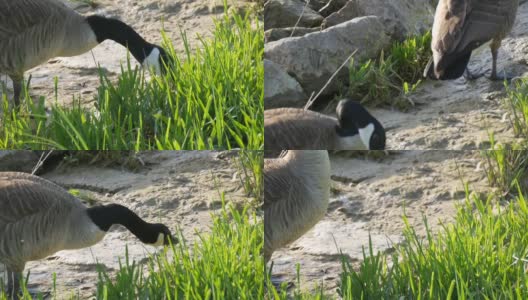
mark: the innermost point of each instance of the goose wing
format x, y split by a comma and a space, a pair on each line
297, 129
278, 182
20, 16
24, 195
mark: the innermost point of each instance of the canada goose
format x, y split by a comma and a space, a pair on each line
33, 31
296, 193
292, 128
39, 218
461, 26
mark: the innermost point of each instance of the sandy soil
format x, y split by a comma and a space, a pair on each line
369, 196
78, 76
180, 189
459, 114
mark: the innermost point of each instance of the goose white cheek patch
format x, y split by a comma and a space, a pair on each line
152, 61
365, 134
353, 142
160, 241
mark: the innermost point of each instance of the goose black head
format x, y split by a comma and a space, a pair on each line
447, 67
158, 235
150, 56
157, 59
355, 120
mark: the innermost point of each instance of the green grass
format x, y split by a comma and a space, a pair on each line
250, 165
505, 167
517, 103
398, 72
211, 98
481, 254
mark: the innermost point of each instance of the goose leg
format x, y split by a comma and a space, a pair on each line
17, 88
495, 45
13, 284
9, 283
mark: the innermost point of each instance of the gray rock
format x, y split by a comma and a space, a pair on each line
332, 6
276, 34
19, 161
314, 57
348, 12
403, 17
285, 13
280, 89
317, 4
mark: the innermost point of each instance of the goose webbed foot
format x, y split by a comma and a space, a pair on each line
500, 77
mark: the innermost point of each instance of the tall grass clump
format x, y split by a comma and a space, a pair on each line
482, 255
397, 72
251, 164
210, 98
505, 167
226, 264
517, 103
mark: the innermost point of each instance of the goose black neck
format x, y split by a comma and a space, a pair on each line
112, 29
106, 216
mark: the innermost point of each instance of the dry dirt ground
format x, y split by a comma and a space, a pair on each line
369, 196
459, 114
180, 189
79, 75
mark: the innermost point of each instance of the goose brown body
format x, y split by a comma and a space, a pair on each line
297, 189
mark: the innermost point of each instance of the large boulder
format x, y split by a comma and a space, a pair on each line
280, 89
403, 17
285, 13
317, 4
313, 58
331, 7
